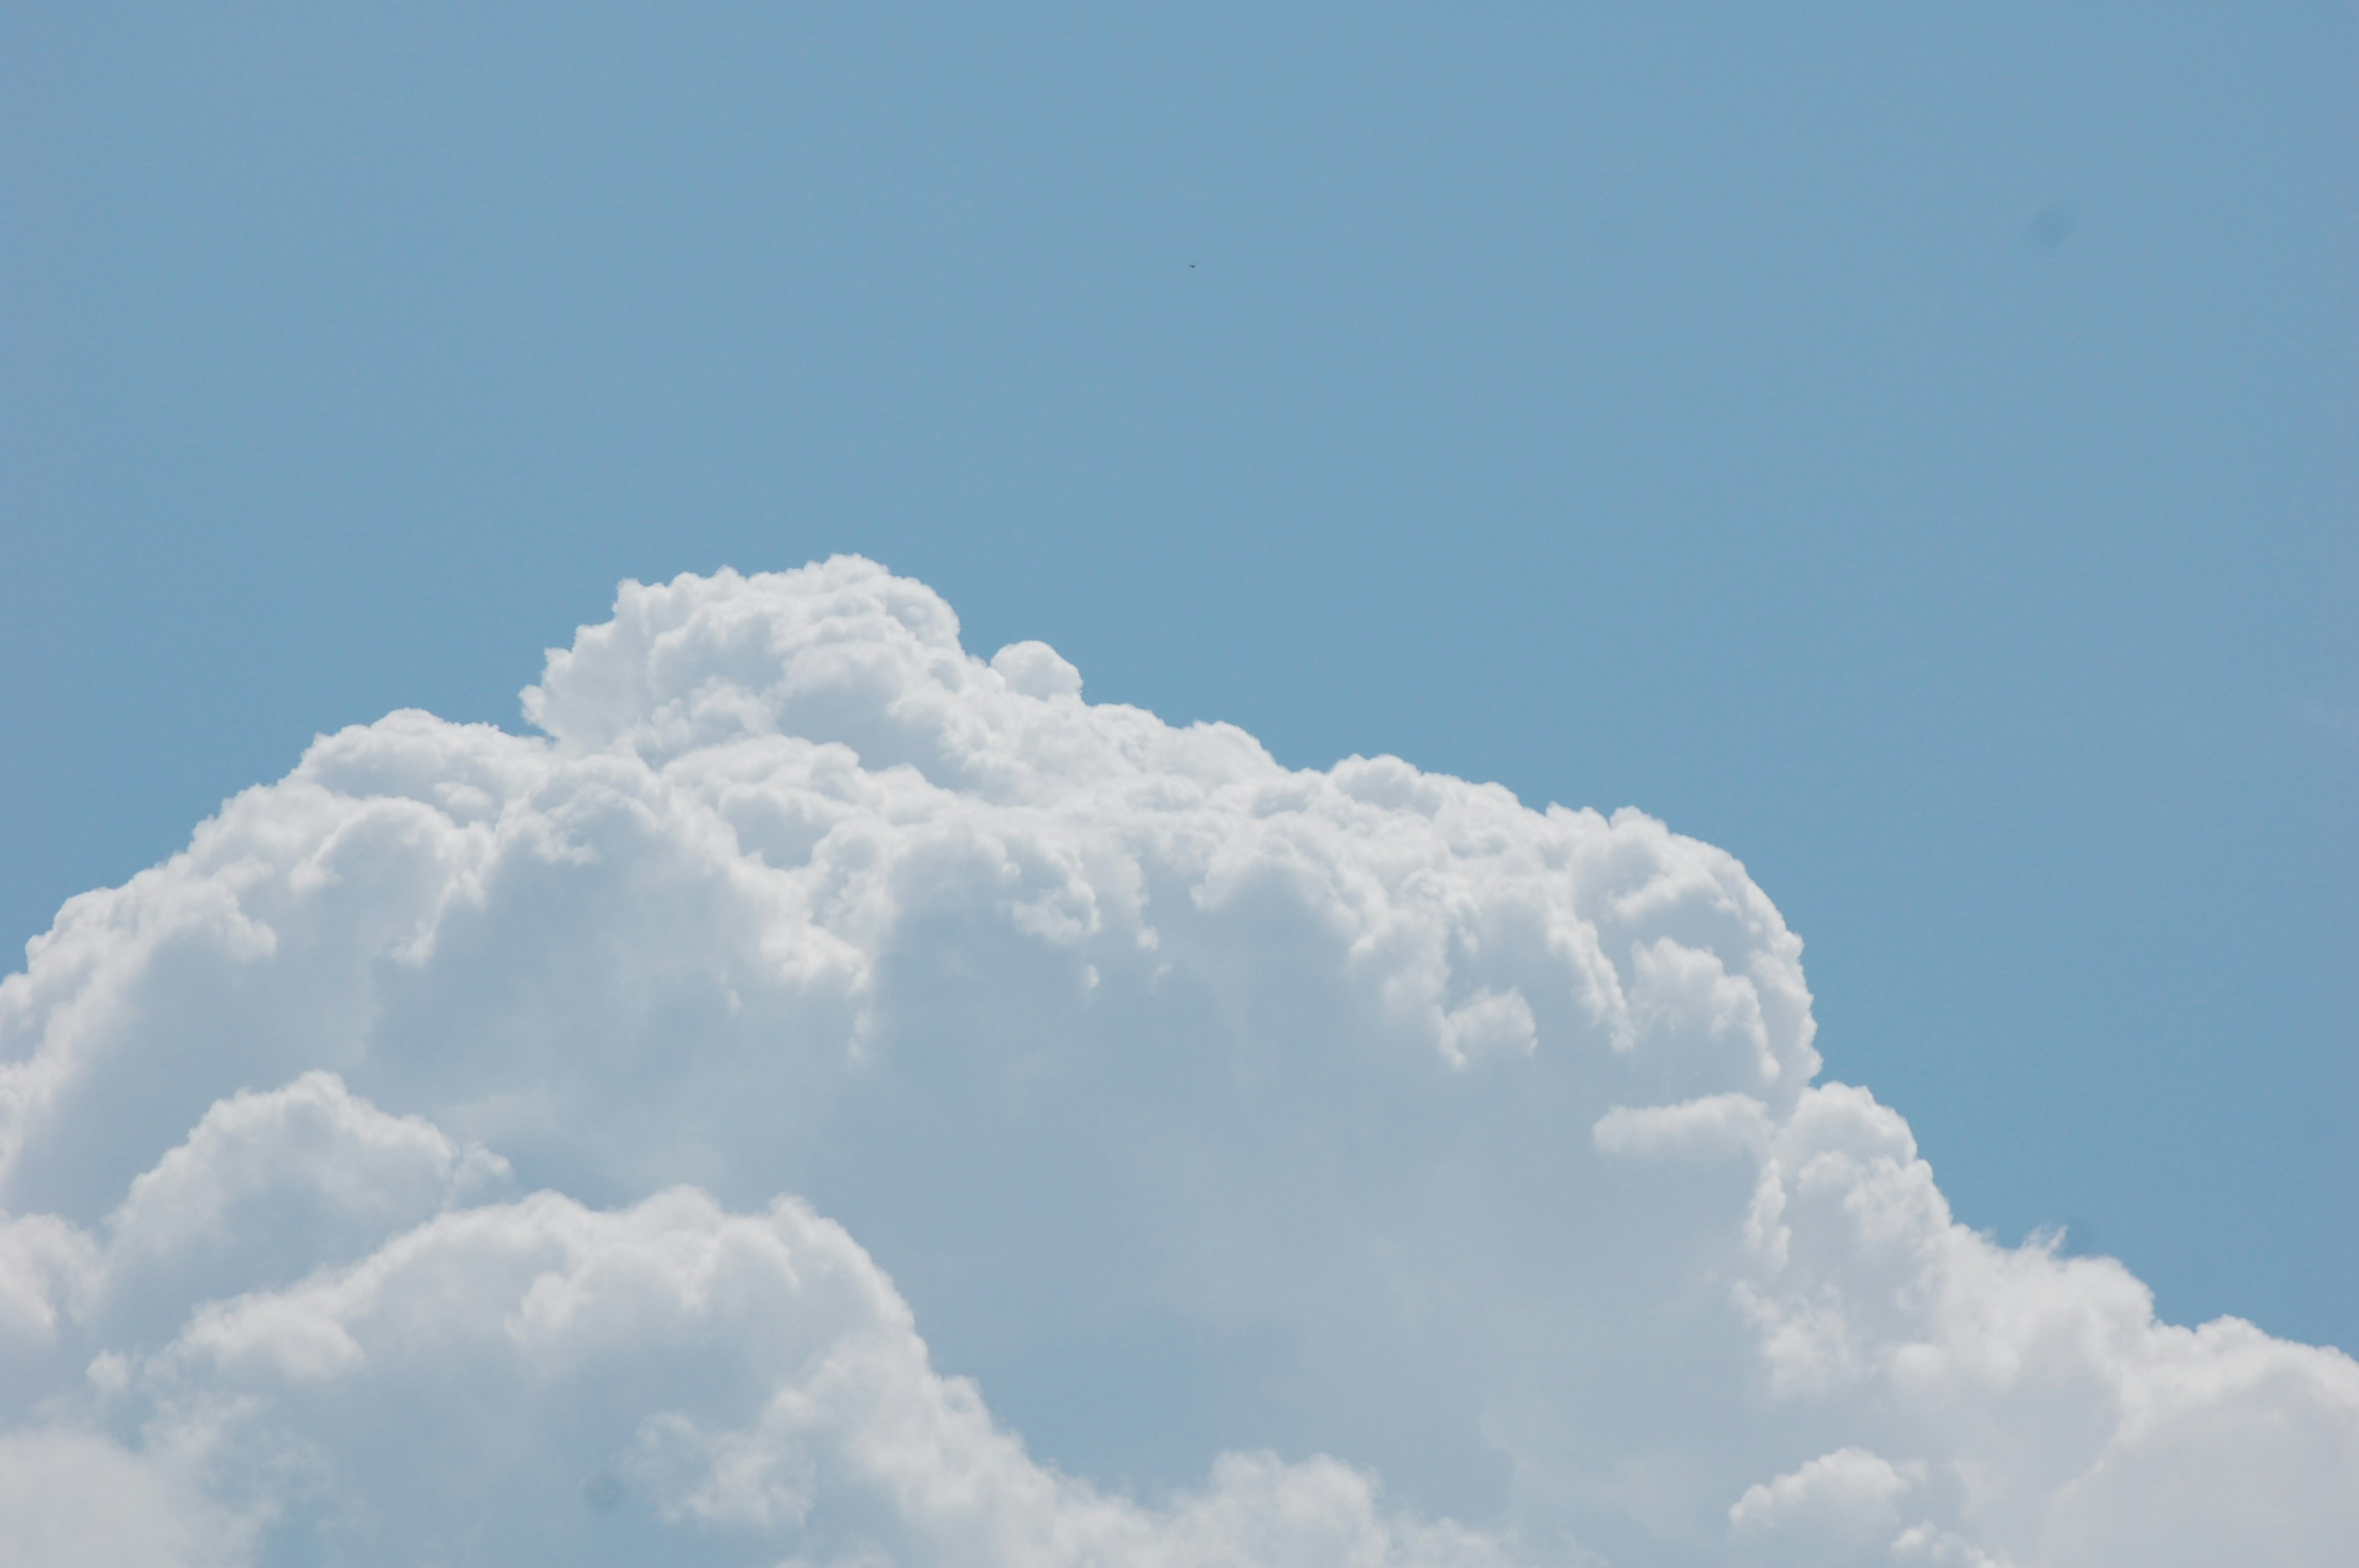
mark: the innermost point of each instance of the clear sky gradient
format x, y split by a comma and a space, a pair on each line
1916, 451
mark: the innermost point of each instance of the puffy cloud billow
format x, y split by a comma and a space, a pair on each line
827, 1099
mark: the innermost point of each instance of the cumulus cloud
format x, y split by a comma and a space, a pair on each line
827, 1098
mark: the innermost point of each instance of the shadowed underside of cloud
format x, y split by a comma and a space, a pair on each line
828, 1098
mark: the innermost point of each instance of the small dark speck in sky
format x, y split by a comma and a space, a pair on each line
2050, 228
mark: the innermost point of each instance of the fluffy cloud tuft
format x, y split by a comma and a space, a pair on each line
830, 1099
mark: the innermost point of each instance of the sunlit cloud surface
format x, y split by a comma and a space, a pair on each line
753, 1119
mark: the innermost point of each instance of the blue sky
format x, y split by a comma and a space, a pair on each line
1912, 451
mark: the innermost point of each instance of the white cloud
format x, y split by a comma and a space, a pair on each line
431, 1162
1842, 1504
70, 1496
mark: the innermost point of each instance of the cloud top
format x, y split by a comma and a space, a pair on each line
830, 1098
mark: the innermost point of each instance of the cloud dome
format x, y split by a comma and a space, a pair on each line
828, 1097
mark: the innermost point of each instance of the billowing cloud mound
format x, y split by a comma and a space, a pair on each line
831, 1099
